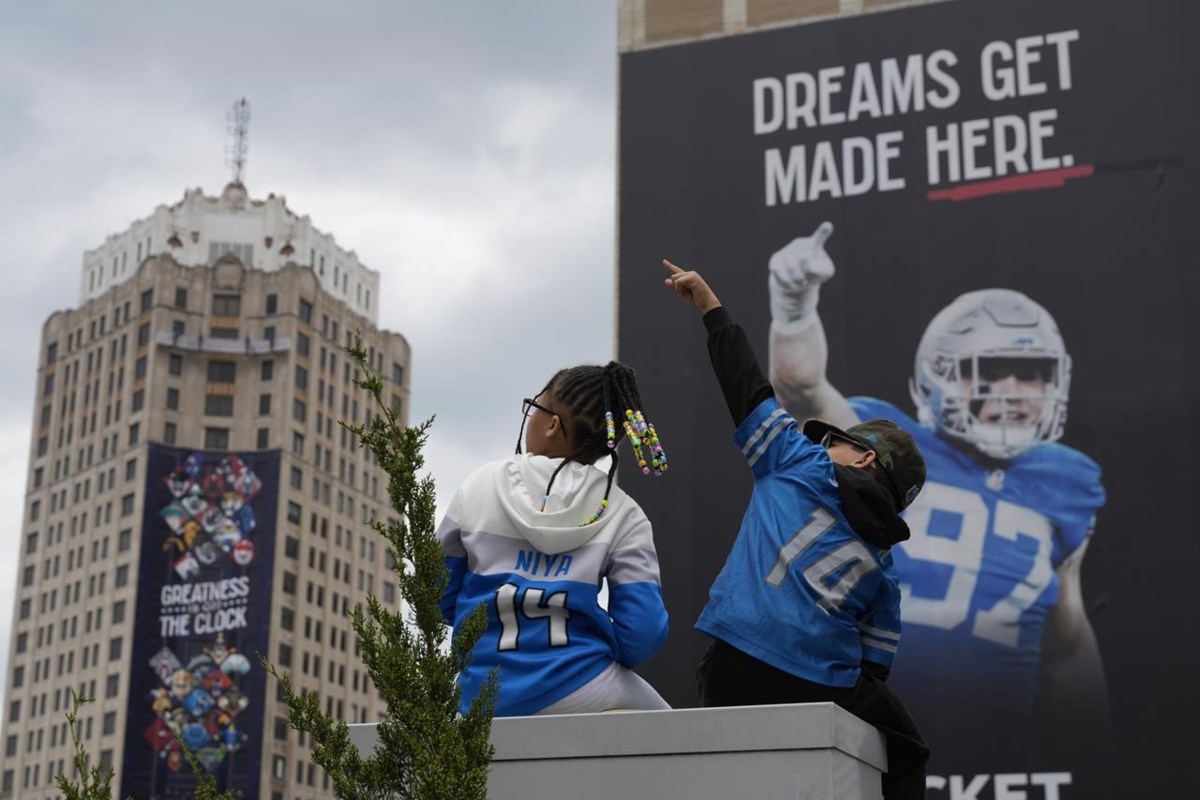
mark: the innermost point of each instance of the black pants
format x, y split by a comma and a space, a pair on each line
729, 677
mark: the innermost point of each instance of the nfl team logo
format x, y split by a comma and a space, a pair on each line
243, 552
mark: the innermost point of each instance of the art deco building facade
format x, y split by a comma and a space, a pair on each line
192, 501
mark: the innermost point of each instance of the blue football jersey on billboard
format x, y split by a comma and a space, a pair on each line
800, 589
979, 574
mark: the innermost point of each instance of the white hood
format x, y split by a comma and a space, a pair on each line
574, 499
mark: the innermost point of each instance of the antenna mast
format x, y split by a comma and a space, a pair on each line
238, 123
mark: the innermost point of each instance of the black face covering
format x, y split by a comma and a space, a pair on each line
870, 507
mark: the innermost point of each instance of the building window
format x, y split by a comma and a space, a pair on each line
289, 583
118, 612
135, 431
124, 540
173, 399
180, 297
227, 305
291, 547
114, 648
218, 405
139, 400
127, 505
301, 344
122, 576
130, 469
293, 512
297, 478
298, 443
222, 371
397, 374
301, 378
175, 364
51, 352
143, 334
139, 368
109, 726
262, 440
177, 328
306, 310
223, 333
112, 685
267, 370
216, 438
264, 404
147, 300
48, 384
272, 303
169, 433
299, 410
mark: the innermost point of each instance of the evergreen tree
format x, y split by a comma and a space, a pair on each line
95, 782
426, 750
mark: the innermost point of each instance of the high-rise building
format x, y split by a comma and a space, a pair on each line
192, 503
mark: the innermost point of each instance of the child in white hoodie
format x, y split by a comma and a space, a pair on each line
535, 535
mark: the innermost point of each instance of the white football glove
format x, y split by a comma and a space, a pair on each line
797, 272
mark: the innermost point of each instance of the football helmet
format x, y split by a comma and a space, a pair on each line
992, 370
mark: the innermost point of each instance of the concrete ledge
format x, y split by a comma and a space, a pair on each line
814, 751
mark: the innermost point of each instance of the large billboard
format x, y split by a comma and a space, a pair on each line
979, 220
202, 618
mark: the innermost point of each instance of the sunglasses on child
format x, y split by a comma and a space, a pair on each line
831, 438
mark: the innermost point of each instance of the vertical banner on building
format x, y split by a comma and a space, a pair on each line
202, 618
978, 220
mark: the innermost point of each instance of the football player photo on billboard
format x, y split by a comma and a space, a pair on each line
993, 612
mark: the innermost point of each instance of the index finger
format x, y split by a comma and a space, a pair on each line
822, 233
671, 268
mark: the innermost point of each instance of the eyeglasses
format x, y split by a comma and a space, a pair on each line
526, 405
830, 439
529, 403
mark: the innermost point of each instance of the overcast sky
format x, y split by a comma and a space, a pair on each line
465, 150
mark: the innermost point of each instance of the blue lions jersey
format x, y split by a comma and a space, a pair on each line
979, 575
800, 589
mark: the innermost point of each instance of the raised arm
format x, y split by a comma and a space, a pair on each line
798, 349
733, 360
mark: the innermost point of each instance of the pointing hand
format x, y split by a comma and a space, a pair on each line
690, 288
796, 273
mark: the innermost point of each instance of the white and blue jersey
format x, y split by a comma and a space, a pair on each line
801, 590
539, 574
979, 573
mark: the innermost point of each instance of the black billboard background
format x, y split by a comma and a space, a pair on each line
1112, 256
209, 519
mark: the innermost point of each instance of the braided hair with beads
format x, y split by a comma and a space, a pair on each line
597, 397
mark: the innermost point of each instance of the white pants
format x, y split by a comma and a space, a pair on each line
616, 688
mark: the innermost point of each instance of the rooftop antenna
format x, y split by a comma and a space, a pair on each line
238, 124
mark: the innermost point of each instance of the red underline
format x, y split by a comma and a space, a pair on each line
1048, 179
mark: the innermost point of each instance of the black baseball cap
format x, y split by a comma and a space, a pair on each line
894, 447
